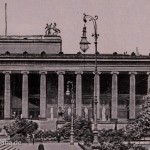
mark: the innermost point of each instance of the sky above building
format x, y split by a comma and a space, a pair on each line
123, 25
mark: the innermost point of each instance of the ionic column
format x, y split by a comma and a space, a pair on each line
97, 92
114, 103
25, 96
148, 82
7, 113
132, 95
60, 88
43, 94
79, 93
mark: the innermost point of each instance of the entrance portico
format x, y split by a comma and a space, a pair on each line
34, 84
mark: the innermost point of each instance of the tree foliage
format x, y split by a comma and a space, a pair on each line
141, 125
82, 130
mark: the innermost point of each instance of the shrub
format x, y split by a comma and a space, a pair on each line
18, 138
111, 135
45, 135
111, 139
22, 127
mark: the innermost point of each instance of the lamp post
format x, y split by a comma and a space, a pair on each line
72, 110
84, 46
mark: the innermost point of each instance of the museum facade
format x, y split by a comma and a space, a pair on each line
34, 73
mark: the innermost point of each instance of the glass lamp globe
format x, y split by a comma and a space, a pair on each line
84, 44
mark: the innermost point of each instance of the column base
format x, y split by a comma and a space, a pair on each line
24, 118
44, 118
113, 120
131, 119
9, 119
71, 147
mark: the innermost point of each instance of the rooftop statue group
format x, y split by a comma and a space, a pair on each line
51, 29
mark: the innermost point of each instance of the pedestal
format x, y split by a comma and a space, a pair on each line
60, 123
95, 144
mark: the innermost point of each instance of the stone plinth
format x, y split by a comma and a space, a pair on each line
60, 123
34, 44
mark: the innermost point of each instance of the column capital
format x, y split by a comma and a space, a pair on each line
98, 72
60, 72
115, 72
132, 73
79, 72
7, 72
24, 72
43, 72
148, 73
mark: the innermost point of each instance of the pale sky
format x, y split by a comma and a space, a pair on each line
123, 25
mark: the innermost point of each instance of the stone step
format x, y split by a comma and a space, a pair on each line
47, 124
7, 147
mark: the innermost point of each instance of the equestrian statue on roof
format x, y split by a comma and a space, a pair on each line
51, 30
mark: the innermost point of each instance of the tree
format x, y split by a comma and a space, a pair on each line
141, 125
82, 130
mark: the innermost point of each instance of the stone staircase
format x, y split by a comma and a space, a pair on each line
5, 122
7, 147
47, 124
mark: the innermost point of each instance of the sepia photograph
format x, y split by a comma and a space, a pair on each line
74, 74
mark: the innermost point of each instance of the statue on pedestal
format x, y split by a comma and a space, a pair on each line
14, 115
3, 132
60, 113
86, 113
103, 113
21, 116
52, 113
69, 111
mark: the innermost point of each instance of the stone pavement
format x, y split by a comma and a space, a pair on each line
49, 146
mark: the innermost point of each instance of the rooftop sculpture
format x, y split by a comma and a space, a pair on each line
49, 28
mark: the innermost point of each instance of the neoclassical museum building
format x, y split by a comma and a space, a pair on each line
34, 73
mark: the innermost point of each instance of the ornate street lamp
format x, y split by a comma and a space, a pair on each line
68, 92
84, 46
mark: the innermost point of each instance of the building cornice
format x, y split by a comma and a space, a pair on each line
73, 58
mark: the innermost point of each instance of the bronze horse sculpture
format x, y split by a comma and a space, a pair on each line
49, 28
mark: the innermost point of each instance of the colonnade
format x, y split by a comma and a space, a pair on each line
61, 74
